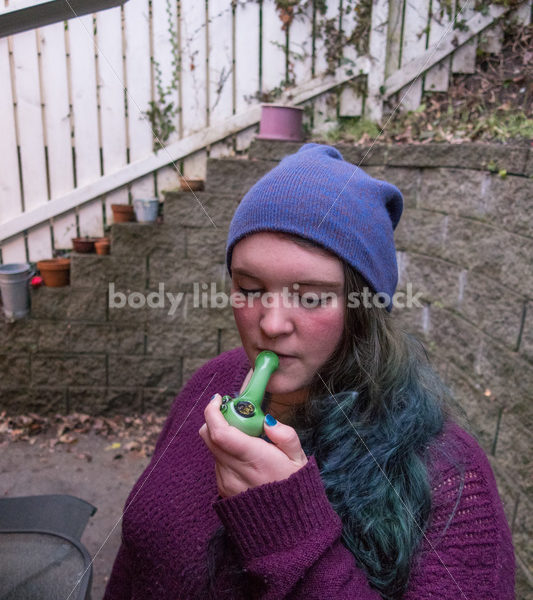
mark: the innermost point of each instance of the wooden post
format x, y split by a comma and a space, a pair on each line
378, 53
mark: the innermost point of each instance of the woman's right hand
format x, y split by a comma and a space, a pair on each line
243, 461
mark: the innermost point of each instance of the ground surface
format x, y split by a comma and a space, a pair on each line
95, 460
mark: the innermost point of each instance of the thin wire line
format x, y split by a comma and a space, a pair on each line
194, 406
142, 114
163, 147
422, 70
140, 488
392, 486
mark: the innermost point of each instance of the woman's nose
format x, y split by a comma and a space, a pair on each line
275, 321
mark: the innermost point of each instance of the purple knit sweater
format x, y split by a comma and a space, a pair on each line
285, 535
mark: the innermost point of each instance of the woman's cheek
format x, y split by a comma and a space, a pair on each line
245, 316
321, 336
323, 324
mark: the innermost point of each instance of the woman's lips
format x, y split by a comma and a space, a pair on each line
287, 359
279, 354
284, 358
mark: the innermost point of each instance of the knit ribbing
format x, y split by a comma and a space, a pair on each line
277, 516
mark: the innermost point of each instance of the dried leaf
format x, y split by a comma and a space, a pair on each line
133, 445
138, 433
113, 446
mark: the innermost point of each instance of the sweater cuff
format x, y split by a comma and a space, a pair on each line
277, 516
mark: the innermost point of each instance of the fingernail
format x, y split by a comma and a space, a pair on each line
270, 421
213, 397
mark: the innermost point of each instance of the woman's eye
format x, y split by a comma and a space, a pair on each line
249, 292
307, 300
311, 300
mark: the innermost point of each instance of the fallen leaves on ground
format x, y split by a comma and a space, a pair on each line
494, 103
136, 433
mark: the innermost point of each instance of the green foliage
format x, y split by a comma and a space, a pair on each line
161, 117
455, 123
484, 5
353, 129
461, 25
493, 168
360, 36
507, 125
162, 110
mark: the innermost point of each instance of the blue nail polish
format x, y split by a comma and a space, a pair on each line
270, 421
213, 397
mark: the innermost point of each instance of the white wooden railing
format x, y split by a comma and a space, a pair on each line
75, 136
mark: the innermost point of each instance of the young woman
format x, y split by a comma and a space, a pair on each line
362, 487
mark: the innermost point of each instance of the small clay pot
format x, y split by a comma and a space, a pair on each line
191, 185
102, 246
55, 271
83, 245
122, 213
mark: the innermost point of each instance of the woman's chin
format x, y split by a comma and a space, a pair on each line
284, 386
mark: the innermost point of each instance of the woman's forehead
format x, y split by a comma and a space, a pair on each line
270, 253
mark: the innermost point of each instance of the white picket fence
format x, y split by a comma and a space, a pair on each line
74, 95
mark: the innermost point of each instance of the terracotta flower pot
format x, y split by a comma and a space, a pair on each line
83, 245
280, 122
122, 213
191, 185
55, 271
102, 246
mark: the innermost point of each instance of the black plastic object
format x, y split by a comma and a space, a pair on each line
57, 513
41, 555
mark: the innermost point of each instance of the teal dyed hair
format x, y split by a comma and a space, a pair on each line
370, 416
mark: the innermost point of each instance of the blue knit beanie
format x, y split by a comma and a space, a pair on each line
317, 195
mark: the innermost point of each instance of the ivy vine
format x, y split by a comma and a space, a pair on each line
163, 110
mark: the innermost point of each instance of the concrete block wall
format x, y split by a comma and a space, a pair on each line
465, 242
90, 347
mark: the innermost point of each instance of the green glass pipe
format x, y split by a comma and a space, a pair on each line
244, 411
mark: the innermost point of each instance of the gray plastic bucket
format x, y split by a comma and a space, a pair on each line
14, 279
146, 210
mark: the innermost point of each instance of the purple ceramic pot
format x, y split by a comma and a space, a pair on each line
280, 122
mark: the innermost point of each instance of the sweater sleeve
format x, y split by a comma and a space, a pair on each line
467, 550
289, 538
